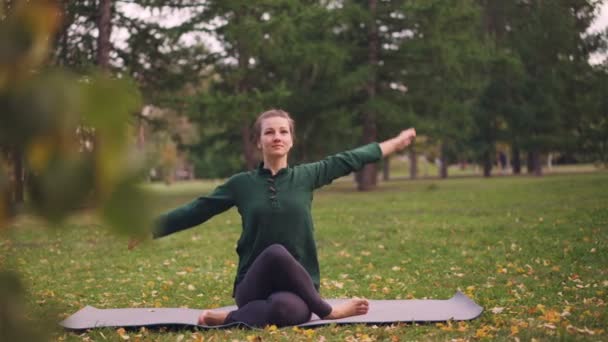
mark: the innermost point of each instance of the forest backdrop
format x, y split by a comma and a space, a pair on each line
476, 78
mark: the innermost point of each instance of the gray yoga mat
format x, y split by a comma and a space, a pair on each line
457, 308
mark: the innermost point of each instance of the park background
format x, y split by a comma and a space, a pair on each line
108, 105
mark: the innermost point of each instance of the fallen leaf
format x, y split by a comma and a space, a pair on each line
551, 316
497, 310
514, 330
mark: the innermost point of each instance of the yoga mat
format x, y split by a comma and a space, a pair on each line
457, 308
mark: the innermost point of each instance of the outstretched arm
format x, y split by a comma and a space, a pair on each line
398, 143
191, 214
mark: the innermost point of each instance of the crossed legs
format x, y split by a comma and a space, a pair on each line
278, 290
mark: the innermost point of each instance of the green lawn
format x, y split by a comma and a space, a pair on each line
532, 251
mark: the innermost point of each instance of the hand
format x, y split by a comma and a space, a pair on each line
398, 143
405, 138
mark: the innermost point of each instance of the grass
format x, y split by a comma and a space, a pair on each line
400, 168
532, 251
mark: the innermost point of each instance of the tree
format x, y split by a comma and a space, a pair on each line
371, 33
238, 93
277, 54
501, 98
551, 41
443, 71
369, 174
591, 130
104, 29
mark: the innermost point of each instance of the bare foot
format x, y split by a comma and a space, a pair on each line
211, 318
352, 307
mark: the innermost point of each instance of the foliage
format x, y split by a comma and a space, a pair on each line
592, 127
45, 114
153, 54
553, 45
444, 73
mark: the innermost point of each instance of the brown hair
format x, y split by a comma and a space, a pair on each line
257, 126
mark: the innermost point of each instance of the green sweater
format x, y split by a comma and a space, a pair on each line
274, 209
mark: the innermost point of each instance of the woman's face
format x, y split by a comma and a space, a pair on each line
275, 137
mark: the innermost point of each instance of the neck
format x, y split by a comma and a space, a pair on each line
275, 164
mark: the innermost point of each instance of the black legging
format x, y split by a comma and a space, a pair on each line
276, 290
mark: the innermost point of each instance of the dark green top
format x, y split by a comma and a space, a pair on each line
274, 209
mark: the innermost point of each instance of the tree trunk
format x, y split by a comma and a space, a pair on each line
487, 164
413, 162
141, 134
104, 25
530, 163
537, 166
516, 160
386, 169
443, 168
18, 188
368, 176
242, 87
249, 149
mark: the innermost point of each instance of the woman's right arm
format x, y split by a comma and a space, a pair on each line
195, 212
191, 214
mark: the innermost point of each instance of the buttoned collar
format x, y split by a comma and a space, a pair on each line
264, 172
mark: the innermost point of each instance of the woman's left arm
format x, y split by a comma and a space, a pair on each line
325, 171
398, 143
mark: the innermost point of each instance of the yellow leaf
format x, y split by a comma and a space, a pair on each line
551, 316
365, 338
122, 333
514, 330
462, 326
484, 331
445, 327
308, 333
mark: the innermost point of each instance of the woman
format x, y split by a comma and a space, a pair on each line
277, 280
